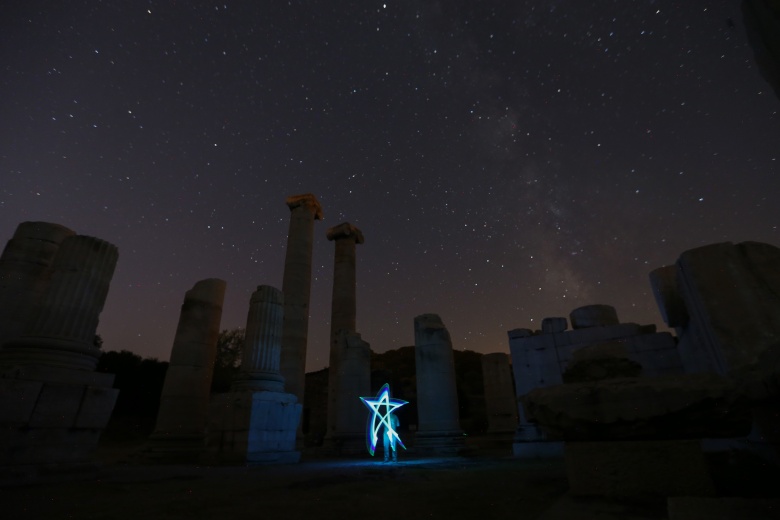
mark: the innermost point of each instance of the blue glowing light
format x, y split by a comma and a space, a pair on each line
379, 419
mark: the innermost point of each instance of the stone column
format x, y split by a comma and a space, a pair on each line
25, 273
499, 394
256, 422
63, 333
181, 419
296, 286
343, 308
260, 357
354, 380
438, 428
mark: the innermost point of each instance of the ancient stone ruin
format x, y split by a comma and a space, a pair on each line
53, 405
346, 382
500, 401
296, 286
184, 404
540, 359
256, 422
438, 428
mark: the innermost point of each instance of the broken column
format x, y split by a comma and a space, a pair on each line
438, 428
25, 273
296, 286
53, 406
181, 419
499, 395
343, 310
256, 421
63, 332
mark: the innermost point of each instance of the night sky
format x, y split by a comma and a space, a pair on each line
505, 160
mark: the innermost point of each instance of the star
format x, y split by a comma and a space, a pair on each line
377, 418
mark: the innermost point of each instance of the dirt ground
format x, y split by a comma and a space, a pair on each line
484, 487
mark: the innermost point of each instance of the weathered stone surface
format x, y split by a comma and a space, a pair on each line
296, 286
63, 332
730, 292
593, 316
553, 325
343, 310
26, 267
637, 469
184, 403
599, 362
520, 333
437, 398
354, 381
674, 407
667, 295
261, 352
255, 427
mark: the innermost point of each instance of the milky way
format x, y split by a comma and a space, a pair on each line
506, 160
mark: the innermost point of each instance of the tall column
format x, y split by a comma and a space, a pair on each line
260, 357
438, 428
343, 308
499, 394
63, 333
181, 419
25, 273
296, 286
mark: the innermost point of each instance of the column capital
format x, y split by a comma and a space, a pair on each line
345, 230
308, 200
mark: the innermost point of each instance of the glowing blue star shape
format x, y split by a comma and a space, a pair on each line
377, 419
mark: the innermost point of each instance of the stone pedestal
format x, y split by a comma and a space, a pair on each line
53, 407
184, 403
26, 268
500, 401
343, 310
354, 380
256, 422
253, 427
438, 428
296, 286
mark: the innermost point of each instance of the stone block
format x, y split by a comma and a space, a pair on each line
519, 333
593, 316
57, 406
17, 400
96, 407
553, 325
637, 469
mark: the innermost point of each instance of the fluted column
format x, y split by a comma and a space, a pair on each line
25, 273
343, 307
296, 286
260, 356
184, 402
437, 397
63, 333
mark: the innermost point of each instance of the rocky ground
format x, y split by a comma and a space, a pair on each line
489, 484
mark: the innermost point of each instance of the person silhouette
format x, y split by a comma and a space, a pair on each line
389, 438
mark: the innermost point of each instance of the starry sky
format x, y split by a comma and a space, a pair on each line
505, 160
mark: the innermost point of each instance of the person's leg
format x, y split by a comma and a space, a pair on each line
386, 446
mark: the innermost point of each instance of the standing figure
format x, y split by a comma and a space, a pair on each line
389, 436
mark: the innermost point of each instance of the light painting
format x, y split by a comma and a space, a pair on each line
381, 407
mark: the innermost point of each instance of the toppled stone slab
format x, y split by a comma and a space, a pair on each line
672, 407
599, 362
